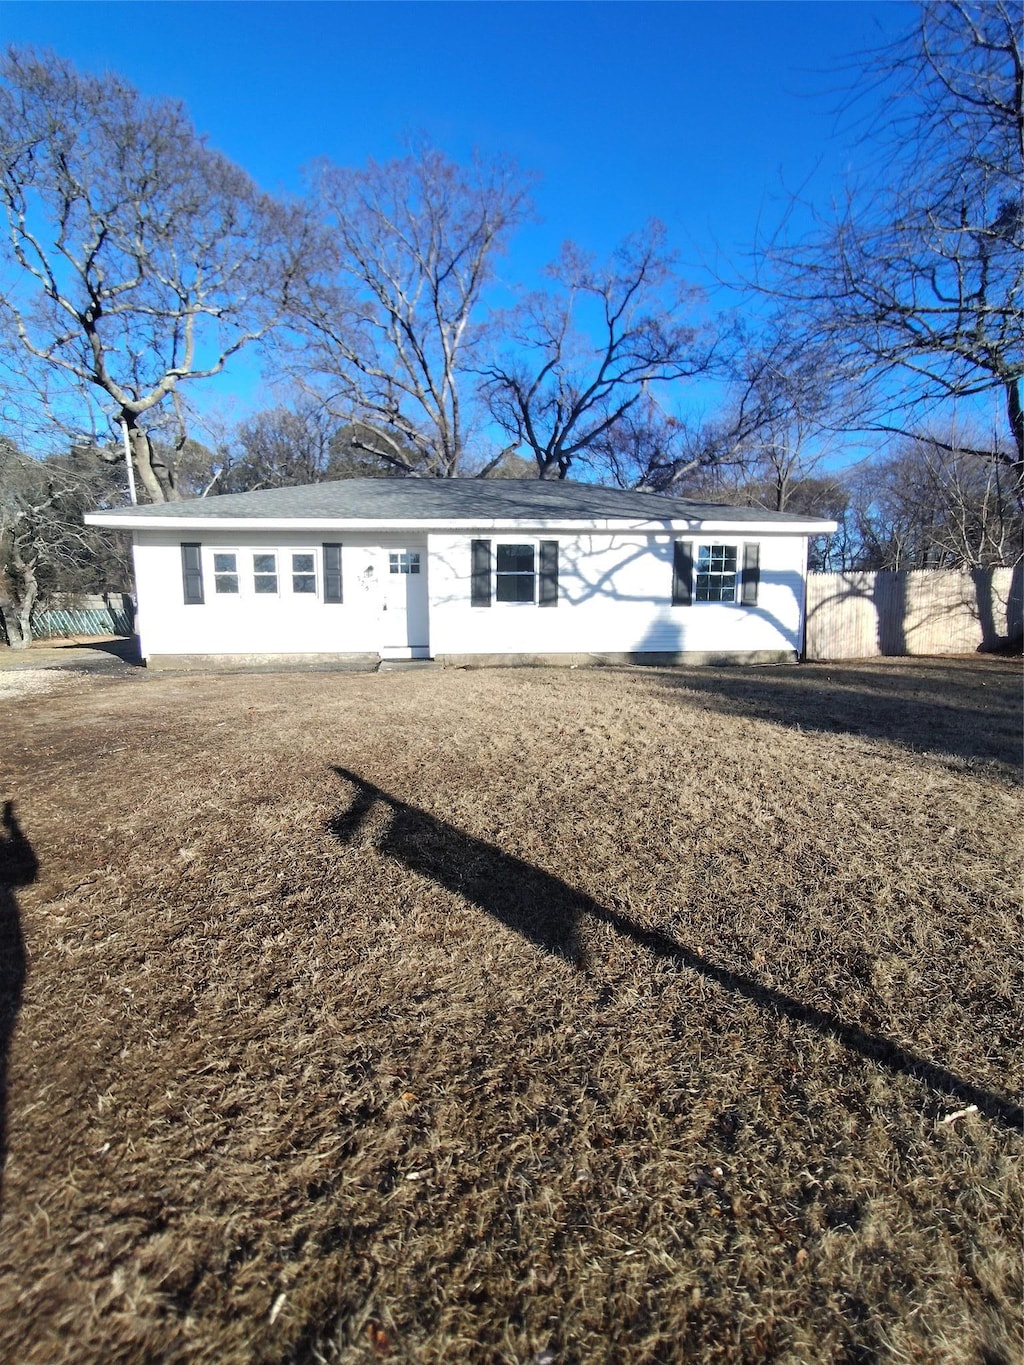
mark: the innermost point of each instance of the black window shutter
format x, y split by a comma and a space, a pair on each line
548, 596
751, 573
682, 573
332, 573
192, 574
480, 590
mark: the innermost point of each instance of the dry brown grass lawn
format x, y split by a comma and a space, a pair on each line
515, 1016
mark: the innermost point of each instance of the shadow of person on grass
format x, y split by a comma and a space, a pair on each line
19, 867
549, 913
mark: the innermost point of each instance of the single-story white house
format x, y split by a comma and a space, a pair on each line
464, 571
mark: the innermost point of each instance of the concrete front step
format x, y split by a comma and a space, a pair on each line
408, 665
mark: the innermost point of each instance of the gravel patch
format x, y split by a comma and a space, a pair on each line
29, 682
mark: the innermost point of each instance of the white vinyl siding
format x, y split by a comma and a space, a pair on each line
614, 595
261, 622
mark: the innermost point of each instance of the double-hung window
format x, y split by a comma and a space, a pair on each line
264, 573
515, 578
225, 571
717, 573
525, 574
304, 572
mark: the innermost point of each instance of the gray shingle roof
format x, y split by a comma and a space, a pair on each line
450, 500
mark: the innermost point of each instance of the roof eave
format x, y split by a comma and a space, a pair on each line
118, 521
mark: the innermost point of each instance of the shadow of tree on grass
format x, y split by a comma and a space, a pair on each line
549, 913
967, 712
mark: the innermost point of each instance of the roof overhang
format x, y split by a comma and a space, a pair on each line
120, 521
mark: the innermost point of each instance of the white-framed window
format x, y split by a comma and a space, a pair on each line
264, 573
303, 572
404, 561
717, 573
515, 572
225, 572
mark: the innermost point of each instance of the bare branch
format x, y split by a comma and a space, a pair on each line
578, 360
393, 313
918, 283
137, 259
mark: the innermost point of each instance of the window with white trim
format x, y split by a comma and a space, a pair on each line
404, 561
515, 576
264, 573
304, 572
717, 573
225, 571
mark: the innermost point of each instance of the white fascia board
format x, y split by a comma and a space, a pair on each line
197, 525
767, 528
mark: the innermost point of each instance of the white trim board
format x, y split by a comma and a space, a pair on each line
119, 521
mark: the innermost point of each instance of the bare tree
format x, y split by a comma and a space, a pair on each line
649, 449
787, 398
390, 324
763, 450
136, 258
280, 447
928, 504
510, 466
918, 281
579, 359
44, 547
782, 400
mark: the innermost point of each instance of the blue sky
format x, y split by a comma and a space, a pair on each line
702, 115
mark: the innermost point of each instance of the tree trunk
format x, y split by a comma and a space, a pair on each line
1015, 412
18, 613
781, 492
154, 474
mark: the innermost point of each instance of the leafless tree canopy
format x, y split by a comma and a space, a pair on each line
929, 504
391, 322
135, 258
786, 396
578, 358
771, 432
44, 546
645, 448
917, 281
279, 447
298, 443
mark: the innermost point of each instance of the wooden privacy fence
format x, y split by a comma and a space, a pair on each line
918, 611
107, 614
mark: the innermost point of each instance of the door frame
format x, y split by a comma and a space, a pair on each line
421, 629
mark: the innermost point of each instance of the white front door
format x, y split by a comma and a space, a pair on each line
404, 613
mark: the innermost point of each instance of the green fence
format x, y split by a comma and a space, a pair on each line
110, 615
